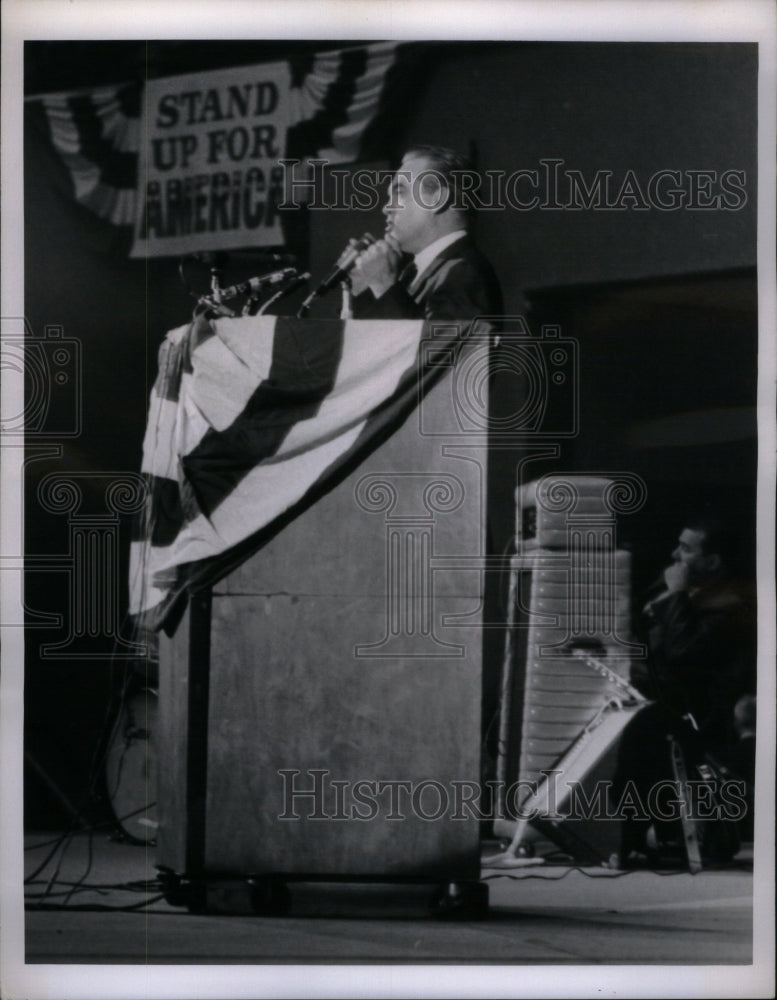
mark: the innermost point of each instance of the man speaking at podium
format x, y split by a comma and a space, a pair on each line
426, 266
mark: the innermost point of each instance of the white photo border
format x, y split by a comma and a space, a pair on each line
549, 20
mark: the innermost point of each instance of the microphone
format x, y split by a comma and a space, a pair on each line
292, 286
254, 285
655, 595
344, 265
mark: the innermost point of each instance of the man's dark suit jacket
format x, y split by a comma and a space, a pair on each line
459, 284
702, 653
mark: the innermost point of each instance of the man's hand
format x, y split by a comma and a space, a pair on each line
676, 577
355, 282
376, 268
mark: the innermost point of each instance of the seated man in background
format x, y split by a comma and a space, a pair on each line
446, 276
700, 633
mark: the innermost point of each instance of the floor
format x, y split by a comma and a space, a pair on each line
90, 904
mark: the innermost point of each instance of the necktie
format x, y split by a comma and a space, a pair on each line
408, 274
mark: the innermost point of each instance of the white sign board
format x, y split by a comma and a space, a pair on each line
209, 173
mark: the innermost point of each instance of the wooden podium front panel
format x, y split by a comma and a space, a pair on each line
350, 645
310, 704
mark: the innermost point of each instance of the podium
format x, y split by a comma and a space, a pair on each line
319, 706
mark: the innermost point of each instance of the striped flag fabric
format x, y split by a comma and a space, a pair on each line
251, 415
96, 134
336, 99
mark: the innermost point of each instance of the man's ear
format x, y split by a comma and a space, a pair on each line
446, 201
442, 198
714, 562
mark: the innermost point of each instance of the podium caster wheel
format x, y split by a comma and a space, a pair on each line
269, 897
460, 901
180, 891
197, 901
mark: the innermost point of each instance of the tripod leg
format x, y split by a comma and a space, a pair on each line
54, 788
690, 834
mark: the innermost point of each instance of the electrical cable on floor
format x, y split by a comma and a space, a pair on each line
106, 824
57, 843
64, 842
553, 878
94, 777
113, 715
89, 862
99, 907
58, 838
601, 873
103, 890
35, 900
88, 793
30, 897
141, 885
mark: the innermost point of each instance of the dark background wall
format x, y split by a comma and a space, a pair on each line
662, 303
613, 107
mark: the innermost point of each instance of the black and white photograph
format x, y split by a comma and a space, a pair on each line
388, 469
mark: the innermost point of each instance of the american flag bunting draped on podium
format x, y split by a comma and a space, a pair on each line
248, 416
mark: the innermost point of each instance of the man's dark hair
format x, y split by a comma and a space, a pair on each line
718, 538
452, 167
